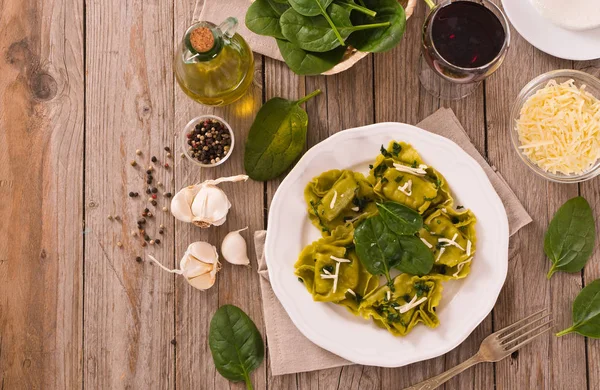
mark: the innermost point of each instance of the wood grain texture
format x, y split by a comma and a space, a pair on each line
41, 187
128, 306
591, 191
548, 363
236, 285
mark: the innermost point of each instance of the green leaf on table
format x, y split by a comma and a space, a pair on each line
262, 19
377, 247
235, 344
417, 258
276, 138
306, 63
380, 39
570, 238
400, 219
586, 312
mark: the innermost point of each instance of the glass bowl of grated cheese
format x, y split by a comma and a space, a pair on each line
555, 126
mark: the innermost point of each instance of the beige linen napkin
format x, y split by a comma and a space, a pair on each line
289, 350
218, 10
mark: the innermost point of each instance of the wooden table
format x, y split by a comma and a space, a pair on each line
85, 83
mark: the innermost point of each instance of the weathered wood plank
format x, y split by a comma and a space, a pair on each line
235, 284
527, 288
129, 306
41, 187
591, 191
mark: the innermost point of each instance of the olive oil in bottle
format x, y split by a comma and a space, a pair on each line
214, 65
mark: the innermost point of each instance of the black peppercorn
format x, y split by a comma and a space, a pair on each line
168, 195
157, 241
148, 191
131, 194
149, 181
161, 231
154, 190
138, 259
154, 159
153, 202
167, 149
147, 210
146, 237
149, 171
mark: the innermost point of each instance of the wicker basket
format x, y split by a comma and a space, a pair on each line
352, 56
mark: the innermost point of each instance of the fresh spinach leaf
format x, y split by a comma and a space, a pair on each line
279, 6
315, 33
586, 312
303, 62
381, 39
416, 258
400, 219
276, 138
377, 247
351, 5
262, 19
570, 238
314, 8
235, 344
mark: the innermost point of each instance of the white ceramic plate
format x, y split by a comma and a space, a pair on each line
464, 304
550, 38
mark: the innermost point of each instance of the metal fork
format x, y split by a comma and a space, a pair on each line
496, 346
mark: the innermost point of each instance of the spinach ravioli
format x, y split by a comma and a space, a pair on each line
408, 224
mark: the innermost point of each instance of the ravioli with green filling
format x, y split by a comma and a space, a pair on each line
412, 300
338, 201
332, 272
337, 197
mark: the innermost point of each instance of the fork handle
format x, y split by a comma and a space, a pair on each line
434, 382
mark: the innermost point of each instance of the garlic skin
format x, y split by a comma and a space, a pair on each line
199, 265
203, 204
234, 249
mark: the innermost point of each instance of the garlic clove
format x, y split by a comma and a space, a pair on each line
181, 203
203, 204
199, 265
234, 248
210, 205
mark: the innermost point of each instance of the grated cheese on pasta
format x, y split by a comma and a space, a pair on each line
559, 128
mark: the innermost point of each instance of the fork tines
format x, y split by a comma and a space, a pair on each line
524, 331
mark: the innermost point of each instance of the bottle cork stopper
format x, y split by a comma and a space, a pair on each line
202, 39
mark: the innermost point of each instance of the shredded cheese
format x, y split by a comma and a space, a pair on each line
460, 266
559, 128
389, 295
355, 209
426, 243
406, 189
440, 254
419, 171
413, 303
339, 260
469, 247
333, 199
351, 292
452, 242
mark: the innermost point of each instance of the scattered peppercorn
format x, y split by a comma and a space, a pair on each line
168, 194
165, 208
132, 194
146, 237
166, 165
167, 149
154, 196
161, 231
153, 202
149, 171
141, 221
146, 210
110, 217
161, 226
169, 155
138, 259
157, 241
138, 152
144, 243
148, 191
133, 163
154, 159
182, 155
174, 342
119, 244
117, 218
154, 190
150, 215
151, 242
149, 180
133, 233
159, 184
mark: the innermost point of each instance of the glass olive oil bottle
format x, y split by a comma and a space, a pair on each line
214, 65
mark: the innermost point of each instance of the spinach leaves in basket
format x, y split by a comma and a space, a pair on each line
389, 240
235, 344
586, 312
314, 35
569, 241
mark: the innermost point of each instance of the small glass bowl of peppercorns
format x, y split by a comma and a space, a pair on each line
208, 141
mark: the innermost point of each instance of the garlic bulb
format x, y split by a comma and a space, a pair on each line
233, 248
199, 265
203, 204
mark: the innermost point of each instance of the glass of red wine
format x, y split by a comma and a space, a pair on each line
464, 41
